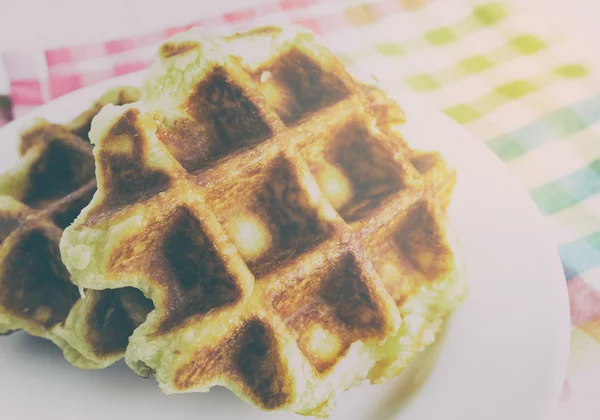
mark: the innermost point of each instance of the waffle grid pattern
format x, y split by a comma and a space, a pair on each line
41, 196
254, 258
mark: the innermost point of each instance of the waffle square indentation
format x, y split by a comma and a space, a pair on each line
267, 214
220, 121
329, 310
354, 171
297, 86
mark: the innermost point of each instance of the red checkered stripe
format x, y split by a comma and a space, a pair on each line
38, 77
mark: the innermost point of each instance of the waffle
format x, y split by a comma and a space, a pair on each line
38, 199
292, 244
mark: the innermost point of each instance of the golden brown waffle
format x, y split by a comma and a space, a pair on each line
259, 196
80, 126
40, 197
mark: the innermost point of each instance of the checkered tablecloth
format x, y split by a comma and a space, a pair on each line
504, 73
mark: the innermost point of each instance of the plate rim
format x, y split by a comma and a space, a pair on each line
89, 93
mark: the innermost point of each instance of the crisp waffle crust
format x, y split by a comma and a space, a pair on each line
259, 197
39, 197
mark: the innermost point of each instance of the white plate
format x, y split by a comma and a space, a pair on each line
503, 355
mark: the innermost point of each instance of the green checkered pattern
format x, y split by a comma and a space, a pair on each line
525, 90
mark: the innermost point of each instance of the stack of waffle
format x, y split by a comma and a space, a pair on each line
291, 243
39, 198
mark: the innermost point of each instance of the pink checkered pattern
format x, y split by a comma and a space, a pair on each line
36, 78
